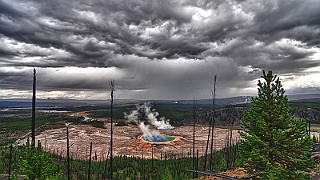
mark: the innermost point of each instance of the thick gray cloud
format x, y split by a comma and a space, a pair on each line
157, 49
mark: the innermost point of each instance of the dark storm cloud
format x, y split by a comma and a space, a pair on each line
176, 42
277, 56
6, 79
286, 15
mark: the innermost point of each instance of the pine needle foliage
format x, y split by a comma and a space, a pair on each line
275, 145
37, 164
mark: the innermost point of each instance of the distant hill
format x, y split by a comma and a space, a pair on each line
26, 103
218, 102
240, 100
305, 97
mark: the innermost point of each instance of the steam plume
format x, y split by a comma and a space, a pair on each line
143, 114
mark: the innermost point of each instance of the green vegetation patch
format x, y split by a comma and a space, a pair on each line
106, 113
16, 124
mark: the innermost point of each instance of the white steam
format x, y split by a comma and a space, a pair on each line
151, 135
151, 117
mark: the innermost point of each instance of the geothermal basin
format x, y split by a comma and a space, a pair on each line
153, 139
127, 141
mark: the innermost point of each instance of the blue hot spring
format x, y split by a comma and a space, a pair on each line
157, 138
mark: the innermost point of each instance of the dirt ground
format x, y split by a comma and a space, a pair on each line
126, 141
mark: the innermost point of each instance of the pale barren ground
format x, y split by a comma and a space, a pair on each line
126, 141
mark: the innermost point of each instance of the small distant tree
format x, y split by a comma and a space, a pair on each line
275, 145
167, 174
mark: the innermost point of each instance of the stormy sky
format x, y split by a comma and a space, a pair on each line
157, 49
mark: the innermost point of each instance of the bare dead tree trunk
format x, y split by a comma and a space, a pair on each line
89, 168
197, 164
309, 128
213, 120
111, 129
33, 117
194, 136
230, 146
211, 128
68, 154
152, 154
207, 146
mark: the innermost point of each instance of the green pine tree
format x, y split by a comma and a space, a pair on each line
167, 174
275, 145
37, 164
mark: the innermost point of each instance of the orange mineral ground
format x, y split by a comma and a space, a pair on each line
127, 141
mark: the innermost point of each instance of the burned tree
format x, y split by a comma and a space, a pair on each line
211, 128
33, 118
111, 129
